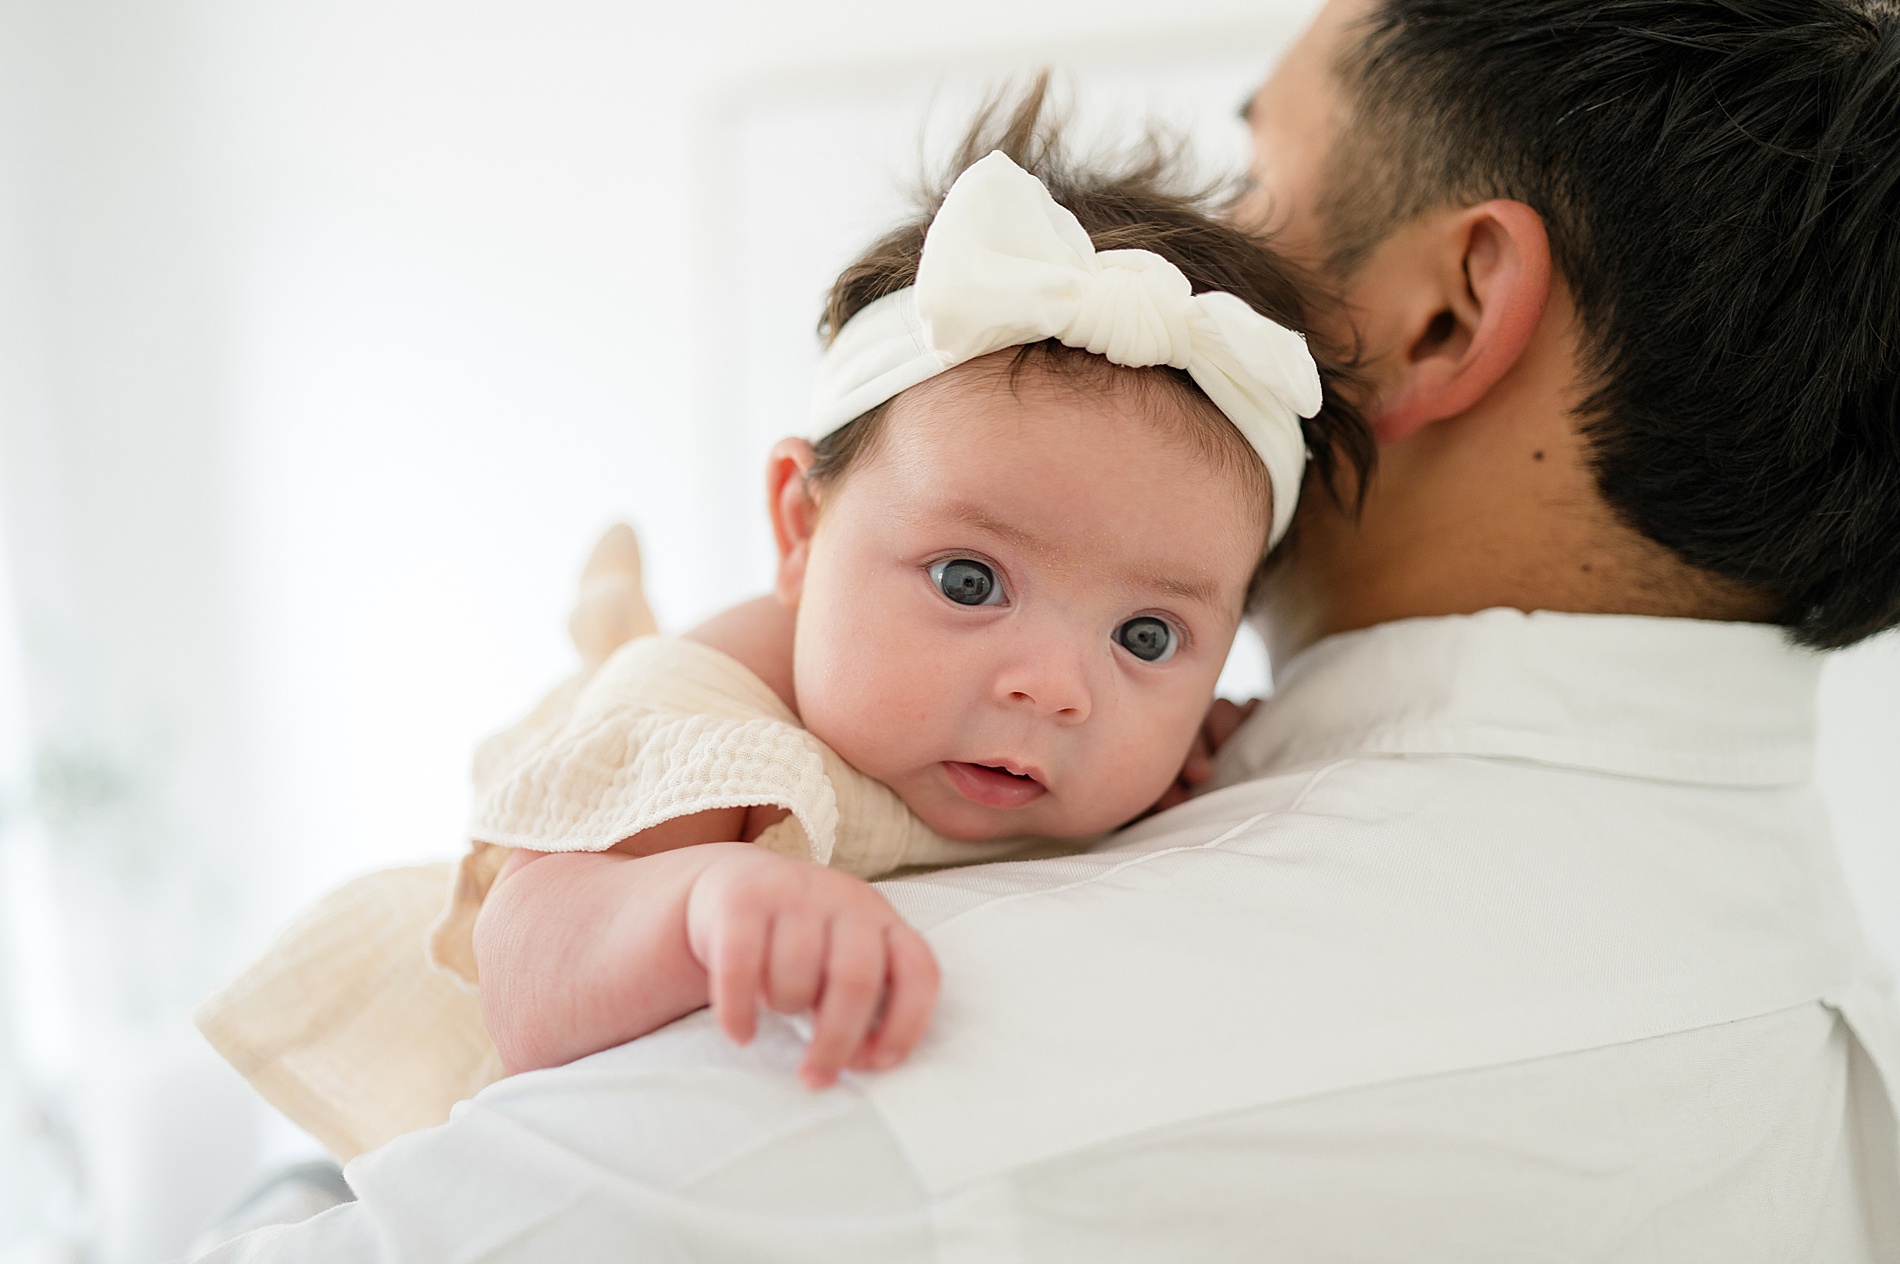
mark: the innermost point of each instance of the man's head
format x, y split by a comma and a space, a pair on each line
1672, 227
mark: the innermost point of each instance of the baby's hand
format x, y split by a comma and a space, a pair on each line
797, 937
1223, 717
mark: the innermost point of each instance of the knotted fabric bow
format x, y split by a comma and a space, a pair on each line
1004, 265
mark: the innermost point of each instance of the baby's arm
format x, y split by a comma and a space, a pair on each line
579, 952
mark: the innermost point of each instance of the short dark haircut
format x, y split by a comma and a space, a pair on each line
1141, 198
1720, 180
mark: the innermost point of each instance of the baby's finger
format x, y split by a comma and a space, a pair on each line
795, 963
854, 979
1173, 796
733, 982
1222, 719
910, 995
1199, 765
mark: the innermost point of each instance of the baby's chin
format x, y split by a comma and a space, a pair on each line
964, 822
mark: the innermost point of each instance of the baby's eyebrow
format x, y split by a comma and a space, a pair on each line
1190, 587
982, 519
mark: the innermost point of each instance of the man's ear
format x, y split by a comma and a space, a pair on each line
794, 511
1476, 302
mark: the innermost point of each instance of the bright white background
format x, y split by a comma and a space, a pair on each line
330, 337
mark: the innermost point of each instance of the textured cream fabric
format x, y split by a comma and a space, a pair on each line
362, 1021
345, 1027
670, 727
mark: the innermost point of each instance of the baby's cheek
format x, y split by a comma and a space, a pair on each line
869, 705
1147, 754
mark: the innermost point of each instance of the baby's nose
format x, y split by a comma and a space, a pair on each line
1047, 686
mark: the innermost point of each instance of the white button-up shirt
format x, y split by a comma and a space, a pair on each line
1509, 938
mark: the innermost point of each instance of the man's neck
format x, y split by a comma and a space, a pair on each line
1477, 513
1299, 613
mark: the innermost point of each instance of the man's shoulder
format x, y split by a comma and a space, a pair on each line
680, 1138
1378, 979
1340, 926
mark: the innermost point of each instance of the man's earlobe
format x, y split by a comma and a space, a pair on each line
794, 512
1492, 284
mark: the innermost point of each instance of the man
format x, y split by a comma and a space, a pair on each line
1513, 936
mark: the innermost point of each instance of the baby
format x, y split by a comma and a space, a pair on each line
1059, 425
1054, 438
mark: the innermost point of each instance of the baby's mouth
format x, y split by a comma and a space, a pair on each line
992, 786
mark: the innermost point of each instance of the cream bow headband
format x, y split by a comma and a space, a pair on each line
1004, 266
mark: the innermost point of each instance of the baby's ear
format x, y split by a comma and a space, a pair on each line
794, 511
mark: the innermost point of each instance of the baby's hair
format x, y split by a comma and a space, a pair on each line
1141, 199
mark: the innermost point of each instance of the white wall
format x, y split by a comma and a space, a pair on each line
330, 335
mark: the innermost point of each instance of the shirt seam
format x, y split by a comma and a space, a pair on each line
1331, 760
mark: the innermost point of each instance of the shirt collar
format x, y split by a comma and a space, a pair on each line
1664, 699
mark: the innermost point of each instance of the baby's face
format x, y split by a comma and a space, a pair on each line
1013, 612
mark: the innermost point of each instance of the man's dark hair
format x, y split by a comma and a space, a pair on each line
1720, 180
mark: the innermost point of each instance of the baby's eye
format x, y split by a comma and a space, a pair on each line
967, 582
1149, 639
